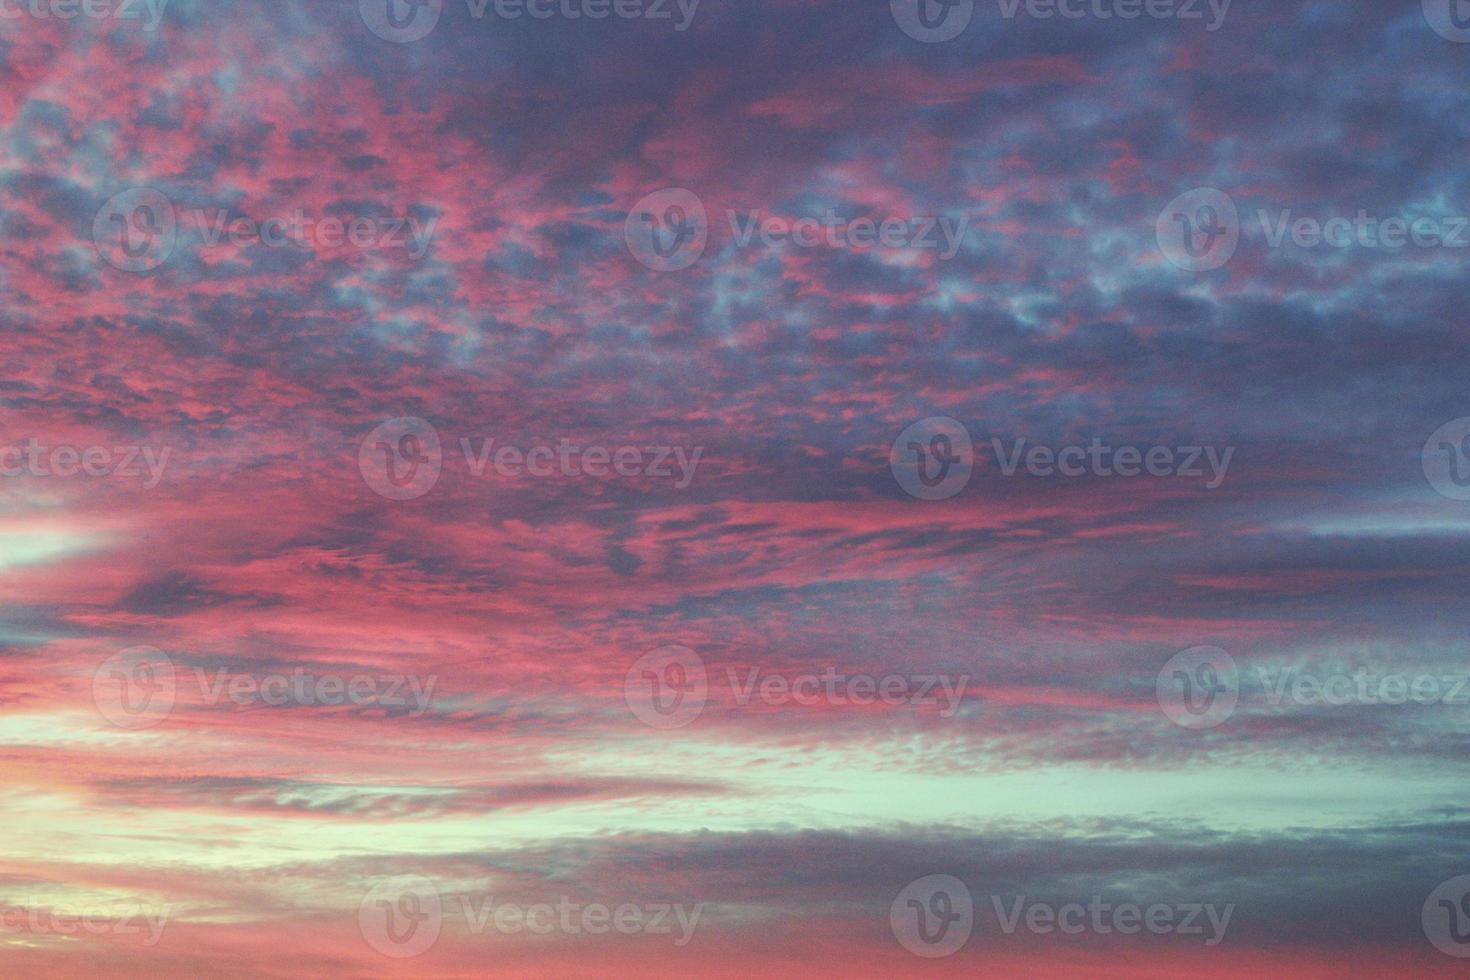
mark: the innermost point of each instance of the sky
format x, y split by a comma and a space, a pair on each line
785, 488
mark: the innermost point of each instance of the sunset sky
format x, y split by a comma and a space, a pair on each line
580, 455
